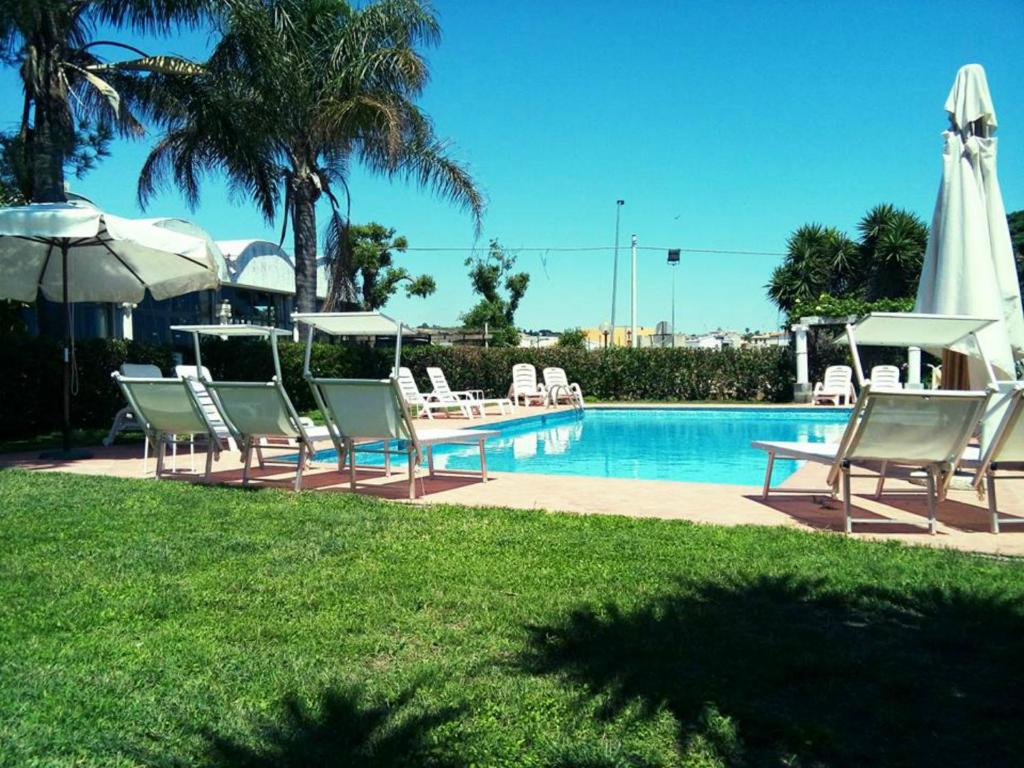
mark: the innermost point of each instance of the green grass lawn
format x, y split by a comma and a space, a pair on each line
162, 624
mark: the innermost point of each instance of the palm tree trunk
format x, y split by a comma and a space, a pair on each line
304, 194
52, 129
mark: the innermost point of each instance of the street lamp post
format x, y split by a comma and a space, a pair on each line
615, 263
632, 298
673, 261
604, 332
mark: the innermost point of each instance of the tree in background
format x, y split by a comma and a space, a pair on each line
370, 271
572, 338
489, 275
892, 245
293, 93
74, 99
824, 265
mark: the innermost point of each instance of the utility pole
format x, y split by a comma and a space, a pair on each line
632, 289
615, 264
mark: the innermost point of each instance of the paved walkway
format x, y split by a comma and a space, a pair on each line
963, 518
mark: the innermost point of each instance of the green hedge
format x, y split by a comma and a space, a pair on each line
32, 379
33, 385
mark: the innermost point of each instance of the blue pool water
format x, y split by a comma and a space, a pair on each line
704, 445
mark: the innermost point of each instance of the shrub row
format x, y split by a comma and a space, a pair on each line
31, 389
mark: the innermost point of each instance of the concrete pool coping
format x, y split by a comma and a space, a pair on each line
963, 518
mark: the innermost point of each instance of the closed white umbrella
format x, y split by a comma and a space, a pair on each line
969, 267
72, 252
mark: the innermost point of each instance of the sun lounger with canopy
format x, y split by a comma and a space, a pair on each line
918, 429
367, 415
259, 415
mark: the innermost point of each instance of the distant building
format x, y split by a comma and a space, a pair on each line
596, 338
769, 339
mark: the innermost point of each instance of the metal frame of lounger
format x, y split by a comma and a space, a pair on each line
861, 444
404, 428
192, 421
1006, 439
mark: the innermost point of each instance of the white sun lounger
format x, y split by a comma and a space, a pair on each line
364, 413
885, 378
525, 387
559, 389
1001, 449
423, 404
837, 387
474, 398
166, 408
259, 415
915, 429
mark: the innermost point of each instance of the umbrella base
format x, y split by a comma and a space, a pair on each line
72, 454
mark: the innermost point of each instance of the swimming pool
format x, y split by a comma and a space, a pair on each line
703, 445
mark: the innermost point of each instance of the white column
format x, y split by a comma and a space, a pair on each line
914, 368
127, 326
632, 302
802, 388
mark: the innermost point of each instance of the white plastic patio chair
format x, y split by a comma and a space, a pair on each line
474, 398
559, 389
837, 387
914, 429
364, 413
260, 416
525, 389
885, 378
1001, 449
166, 408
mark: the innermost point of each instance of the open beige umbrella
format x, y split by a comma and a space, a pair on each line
969, 267
72, 252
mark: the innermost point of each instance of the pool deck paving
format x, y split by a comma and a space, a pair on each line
963, 517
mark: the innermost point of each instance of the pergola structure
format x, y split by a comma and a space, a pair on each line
803, 386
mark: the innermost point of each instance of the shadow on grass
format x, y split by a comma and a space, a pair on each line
342, 730
787, 672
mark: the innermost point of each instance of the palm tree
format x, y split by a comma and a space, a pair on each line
293, 93
71, 94
818, 260
892, 245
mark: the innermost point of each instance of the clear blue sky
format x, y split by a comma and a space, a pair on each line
723, 125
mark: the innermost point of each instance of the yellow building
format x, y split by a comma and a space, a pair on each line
596, 338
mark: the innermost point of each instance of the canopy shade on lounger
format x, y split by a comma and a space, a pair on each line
969, 267
234, 332
73, 252
913, 329
351, 324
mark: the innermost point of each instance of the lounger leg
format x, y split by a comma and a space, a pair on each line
210, 442
387, 458
768, 475
303, 453
881, 480
248, 462
191, 453
847, 509
483, 462
931, 502
351, 464
145, 456
430, 459
161, 452
174, 453
990, 486
412, 473
259, 452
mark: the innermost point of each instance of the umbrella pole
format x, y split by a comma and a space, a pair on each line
66, 437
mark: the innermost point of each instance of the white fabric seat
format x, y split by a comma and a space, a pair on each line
361, 413
926, 430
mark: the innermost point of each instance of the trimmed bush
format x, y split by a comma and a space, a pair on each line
31, 385
32, 381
